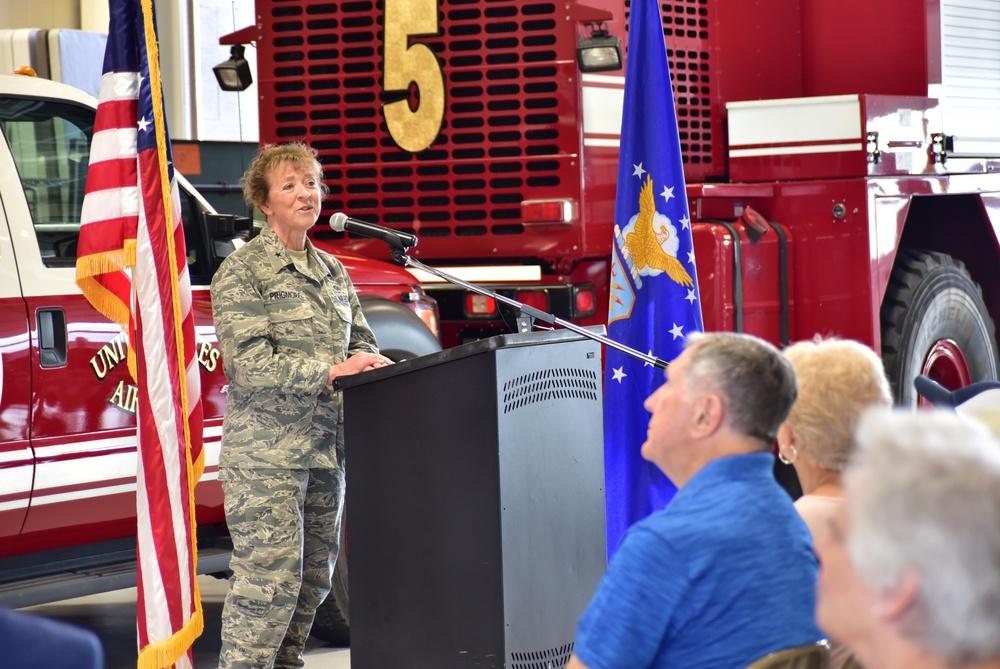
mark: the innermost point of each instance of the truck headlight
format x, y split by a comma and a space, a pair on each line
424, 306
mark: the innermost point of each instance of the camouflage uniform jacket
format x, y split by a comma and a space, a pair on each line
281, 325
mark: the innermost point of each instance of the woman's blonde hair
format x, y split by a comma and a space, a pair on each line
838, 379
254, 182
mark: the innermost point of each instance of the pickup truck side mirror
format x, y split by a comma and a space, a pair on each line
222, 234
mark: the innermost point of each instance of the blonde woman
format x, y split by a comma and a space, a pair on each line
838, 379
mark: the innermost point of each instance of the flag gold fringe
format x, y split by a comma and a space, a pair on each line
167, 652
104, 300
95, 264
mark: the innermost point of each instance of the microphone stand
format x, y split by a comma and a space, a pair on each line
529, 314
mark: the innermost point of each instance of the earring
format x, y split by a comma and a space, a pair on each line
786, 460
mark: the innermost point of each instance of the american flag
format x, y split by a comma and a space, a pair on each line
132, 266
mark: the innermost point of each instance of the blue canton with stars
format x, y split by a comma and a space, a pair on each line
654, 300
146, 140
126, 52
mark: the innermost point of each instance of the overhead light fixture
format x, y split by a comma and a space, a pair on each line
600, 52
234, 74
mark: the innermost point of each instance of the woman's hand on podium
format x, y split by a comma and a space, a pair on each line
360, 362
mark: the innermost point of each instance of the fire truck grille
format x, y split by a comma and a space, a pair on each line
508, 134
686, 32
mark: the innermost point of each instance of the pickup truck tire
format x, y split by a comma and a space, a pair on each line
935, 322
400, 333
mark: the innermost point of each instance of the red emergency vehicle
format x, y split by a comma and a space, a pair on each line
840, 157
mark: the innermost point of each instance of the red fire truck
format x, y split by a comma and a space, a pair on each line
840, 157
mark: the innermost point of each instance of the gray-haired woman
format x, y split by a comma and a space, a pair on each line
910, 571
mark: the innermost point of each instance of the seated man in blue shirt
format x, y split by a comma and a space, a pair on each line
725, 574
30, 641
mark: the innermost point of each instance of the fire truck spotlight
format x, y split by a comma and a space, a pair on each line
234, 74
600, 52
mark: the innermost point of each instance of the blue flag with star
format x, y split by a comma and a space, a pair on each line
654, 301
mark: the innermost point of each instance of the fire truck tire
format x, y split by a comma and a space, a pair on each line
932, 301
333, 624
400, 333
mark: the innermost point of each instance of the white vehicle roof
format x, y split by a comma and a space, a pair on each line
36, 87
19, 84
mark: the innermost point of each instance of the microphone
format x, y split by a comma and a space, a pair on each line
341, 222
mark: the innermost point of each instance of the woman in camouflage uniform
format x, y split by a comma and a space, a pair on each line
288, 322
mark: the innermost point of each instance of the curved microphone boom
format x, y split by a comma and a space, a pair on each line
341, 222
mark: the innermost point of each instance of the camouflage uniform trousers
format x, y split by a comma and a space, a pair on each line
285, 526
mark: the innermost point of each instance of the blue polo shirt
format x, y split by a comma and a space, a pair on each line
29, 640
721, 577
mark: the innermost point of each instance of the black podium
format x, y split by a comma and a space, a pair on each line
475, 503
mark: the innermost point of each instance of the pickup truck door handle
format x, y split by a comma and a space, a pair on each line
51, 337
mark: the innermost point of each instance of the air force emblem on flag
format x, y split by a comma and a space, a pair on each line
648, 246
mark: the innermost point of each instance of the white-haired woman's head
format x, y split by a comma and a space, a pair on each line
923, 502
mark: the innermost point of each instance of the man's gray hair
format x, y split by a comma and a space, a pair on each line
923, 492
756, 382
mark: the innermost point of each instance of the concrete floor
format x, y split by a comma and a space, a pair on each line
112, 616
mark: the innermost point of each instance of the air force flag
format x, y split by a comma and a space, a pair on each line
654, 300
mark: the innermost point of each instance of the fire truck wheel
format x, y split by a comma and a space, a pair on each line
332, 624
935, 322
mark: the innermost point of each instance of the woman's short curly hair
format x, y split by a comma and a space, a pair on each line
255, 180
838, 379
